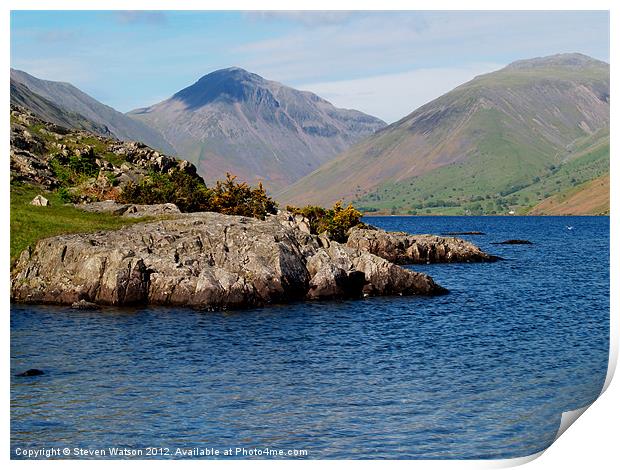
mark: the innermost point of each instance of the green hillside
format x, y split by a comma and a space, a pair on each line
482, 187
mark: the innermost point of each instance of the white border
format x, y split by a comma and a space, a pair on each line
592, 443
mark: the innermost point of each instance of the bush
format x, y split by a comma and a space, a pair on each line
336, 222
64, 195
232, 198
72, 170
187, 191
190, 194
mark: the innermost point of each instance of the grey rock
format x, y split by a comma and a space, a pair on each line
204, 260
129, 210
296, 221
30, 168
404, 248
151, 210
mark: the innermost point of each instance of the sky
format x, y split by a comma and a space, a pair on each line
383, 63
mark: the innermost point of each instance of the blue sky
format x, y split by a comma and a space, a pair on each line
383, 63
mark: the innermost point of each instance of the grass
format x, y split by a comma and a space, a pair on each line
31, 223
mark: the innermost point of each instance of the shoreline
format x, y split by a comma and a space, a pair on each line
486, 215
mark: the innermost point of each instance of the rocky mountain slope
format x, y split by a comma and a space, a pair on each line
87, 166
69, 98
498, 142
235, 121
22, 96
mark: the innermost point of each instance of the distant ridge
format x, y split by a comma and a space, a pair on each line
69, 98
21, 95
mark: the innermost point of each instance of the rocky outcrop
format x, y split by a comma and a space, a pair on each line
205, 260
404, 248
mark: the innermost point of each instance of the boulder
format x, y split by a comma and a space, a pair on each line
40, 201
106, 207
204, 260
404, 248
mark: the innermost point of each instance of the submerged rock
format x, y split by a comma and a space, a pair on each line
404, 248
513, 242
204, 260
31, 373
84, 305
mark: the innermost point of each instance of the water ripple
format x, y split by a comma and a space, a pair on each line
483, 372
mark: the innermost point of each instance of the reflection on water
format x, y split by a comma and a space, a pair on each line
483, 372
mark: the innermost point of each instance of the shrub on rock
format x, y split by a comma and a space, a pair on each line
336, 222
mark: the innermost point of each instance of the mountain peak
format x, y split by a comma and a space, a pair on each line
569, 60
232, 73
232, 120
229, 84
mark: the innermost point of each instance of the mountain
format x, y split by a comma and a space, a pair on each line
502, 141
70, 98
235, 121
44, 109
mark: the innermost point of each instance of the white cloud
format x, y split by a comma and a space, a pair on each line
140, 16
393, 96
57, 35
306, 18
374, 44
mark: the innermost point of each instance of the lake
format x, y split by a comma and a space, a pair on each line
483, 372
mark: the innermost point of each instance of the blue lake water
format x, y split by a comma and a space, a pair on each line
483, 372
